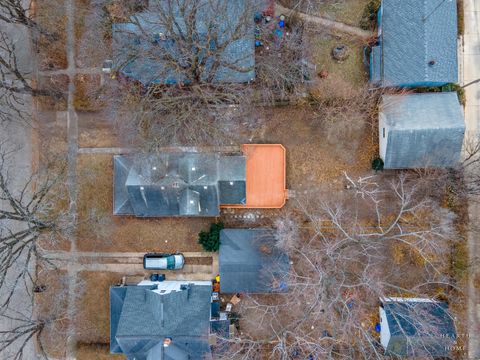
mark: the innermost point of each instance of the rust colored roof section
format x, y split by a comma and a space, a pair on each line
265, 176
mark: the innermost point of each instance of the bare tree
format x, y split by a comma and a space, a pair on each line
195, 60
45, 327
198, 54
282, 66
19, 12
14, 12
15, 83
378, 239
27, 217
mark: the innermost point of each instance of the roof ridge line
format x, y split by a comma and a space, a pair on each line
425, 45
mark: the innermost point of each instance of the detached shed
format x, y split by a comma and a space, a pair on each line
250, 262
421, 130
416, 327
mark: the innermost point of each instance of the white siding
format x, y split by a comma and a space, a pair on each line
165, 287
384, 330
382, 130
405, 299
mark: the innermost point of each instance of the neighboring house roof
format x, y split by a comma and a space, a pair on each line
424, 130
177, 184
418, 328
142, 55
140, 320
250, 262
413, 33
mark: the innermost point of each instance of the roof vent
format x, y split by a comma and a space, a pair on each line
167, 341
431, 62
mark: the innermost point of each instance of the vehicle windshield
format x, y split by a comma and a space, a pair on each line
170, 262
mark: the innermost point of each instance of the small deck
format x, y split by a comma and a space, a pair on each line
265, 176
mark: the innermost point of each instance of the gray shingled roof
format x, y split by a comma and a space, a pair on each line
140, 319
177, 184
250, 262
413, 33
419, 328
425, 130
142, 55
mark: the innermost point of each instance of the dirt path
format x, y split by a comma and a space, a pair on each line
327, 23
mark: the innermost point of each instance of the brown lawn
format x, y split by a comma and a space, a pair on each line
92, 321
312, 160
95, 352
51, 306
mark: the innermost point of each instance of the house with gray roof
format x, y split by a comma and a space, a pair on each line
417, 44
421, 130
156, 46
167, 320
177, 184
250, 262
416, 327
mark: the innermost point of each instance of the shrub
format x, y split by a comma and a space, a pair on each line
460, 92
377, 164
210, 240
369, 17
461, 19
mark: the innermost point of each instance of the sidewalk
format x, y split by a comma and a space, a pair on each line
471, 72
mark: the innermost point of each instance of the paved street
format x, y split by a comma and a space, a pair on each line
470, 72
17, 137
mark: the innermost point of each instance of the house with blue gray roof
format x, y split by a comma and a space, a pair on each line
177, 183
416, 327
250, 262
421, 130
183, 42
167, 320
417, 44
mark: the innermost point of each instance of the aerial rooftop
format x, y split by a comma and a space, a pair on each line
421, 130
416, 327
147, 48
141, 317
198, 184
417, 43
177, 184
250, 262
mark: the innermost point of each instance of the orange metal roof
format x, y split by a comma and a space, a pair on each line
265, 176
